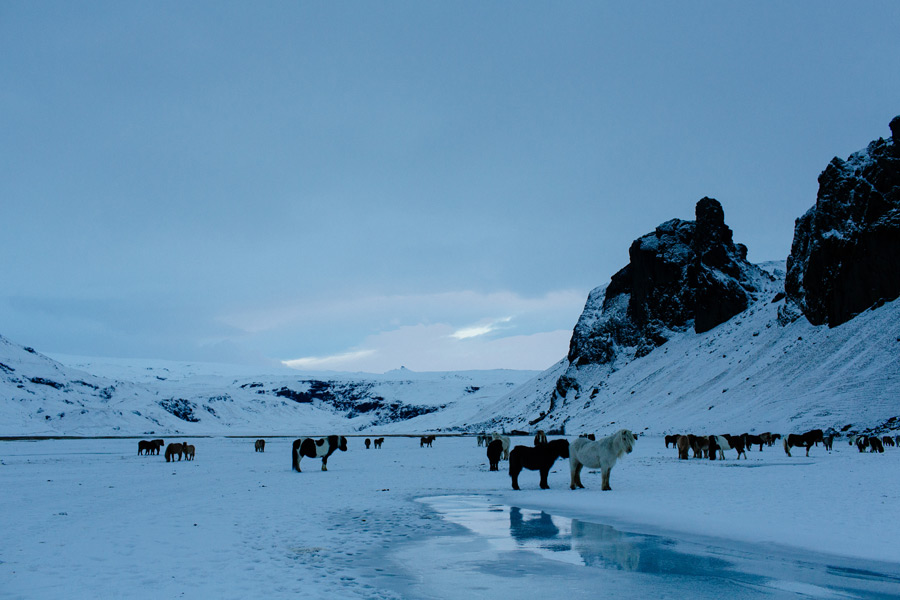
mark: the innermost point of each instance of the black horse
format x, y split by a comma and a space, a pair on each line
494, 452
321, 448
540, 458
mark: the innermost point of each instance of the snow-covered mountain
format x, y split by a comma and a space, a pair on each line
41, 396
688, 336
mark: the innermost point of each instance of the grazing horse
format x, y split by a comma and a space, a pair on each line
378, 442
172, 450
312, 448
540, 458
808, 440
188, 451
368, 443
875, 444
601, 454
672, 439
260, 446
540, 437
683, 444
862, 442
504, 439
494, 452
888, 440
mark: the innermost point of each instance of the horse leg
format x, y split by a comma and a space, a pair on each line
604, 474
808, 446
514, 474
574, 470
544, 484
325, 463
787, 448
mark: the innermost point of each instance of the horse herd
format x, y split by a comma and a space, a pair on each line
715, 445
585, 451
148, 447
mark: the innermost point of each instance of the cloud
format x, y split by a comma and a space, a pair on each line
478, 330
433, 348
343, 361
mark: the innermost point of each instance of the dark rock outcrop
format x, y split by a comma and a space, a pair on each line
685, 274
845, 257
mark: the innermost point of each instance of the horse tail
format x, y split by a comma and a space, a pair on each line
787, 448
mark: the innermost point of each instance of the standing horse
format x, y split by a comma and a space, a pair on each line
260, 446
157, 444
426, 441
378, 442
808, 440
684, 445
321, 448
146, 447
368, 443
540, 458
494, 452
672, 439
601, 454
875, 445
188, 451
503, 440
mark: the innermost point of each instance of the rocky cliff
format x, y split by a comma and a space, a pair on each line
685, 275
845, 257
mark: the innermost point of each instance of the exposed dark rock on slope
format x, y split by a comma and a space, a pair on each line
685, 274
845, 257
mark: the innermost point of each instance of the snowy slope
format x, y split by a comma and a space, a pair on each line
748, 374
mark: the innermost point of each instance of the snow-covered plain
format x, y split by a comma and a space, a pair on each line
91, 518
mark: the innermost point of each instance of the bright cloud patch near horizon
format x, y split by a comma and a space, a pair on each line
477, 330
337, 361
433, 348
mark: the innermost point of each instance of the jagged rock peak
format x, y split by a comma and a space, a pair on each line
683, 274
844, 256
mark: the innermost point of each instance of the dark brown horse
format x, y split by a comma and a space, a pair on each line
260, 446
172, 450
494, 452
540, 458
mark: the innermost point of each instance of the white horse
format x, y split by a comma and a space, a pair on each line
601, 454
503, 440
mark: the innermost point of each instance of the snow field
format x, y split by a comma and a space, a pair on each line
91, 516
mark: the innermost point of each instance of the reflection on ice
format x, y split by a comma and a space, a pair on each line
706, 569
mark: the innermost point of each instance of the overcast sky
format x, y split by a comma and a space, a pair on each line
364, 185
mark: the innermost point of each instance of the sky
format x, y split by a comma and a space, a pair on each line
360, 186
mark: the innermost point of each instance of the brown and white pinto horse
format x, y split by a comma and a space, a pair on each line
312, 448
808, 440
